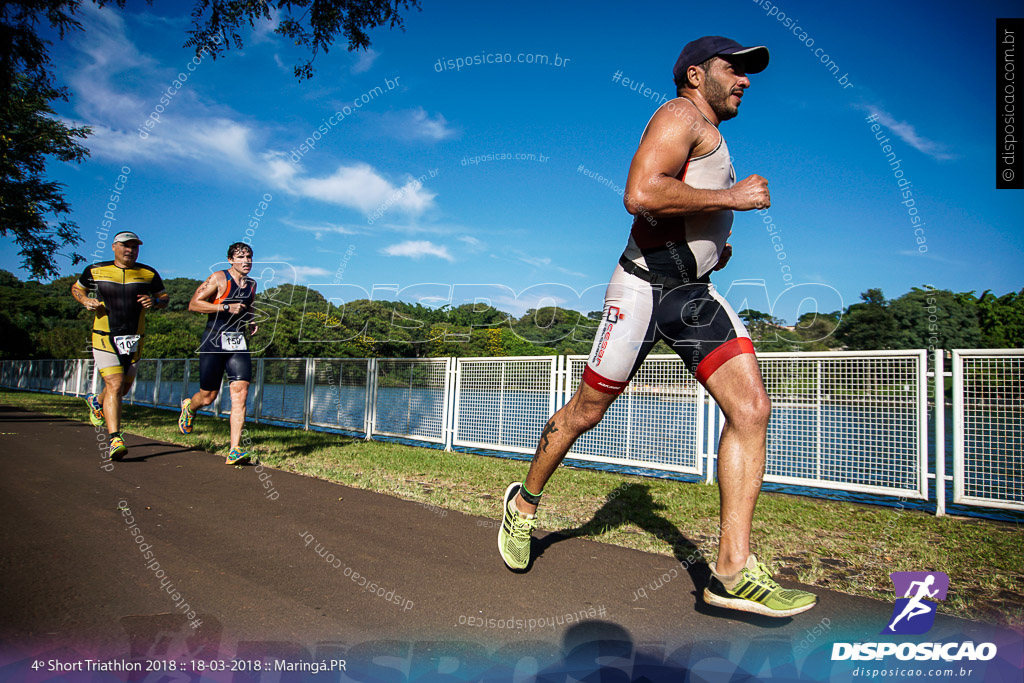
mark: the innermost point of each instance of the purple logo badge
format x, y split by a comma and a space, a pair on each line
914, 612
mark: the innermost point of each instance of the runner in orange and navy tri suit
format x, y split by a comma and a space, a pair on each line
125, 289
682, 192
227, 297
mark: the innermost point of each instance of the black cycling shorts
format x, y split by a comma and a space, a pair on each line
212, 367
694, 319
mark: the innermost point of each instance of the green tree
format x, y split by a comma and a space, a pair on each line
173, 334
17, 344
549, 325
32, 209
474, 315
514, 345
41, 320
816, 331
62, 341
445, 339
180, 291
1001, 319
870, 324
768, 333
935, 319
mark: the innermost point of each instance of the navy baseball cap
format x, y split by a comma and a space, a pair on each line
754, 59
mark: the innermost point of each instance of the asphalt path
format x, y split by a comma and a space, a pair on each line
254, 564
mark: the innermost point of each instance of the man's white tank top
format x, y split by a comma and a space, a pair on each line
686, 247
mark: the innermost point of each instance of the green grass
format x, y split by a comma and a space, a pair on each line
839, 545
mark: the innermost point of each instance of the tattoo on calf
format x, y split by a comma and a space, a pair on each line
549, 429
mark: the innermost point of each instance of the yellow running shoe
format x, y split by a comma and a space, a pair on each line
117, 447
95, 411
515, 532
236, 457
756, 591
186, 417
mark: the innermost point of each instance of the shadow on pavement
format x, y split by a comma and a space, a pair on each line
634, 505
15, 414
142, 458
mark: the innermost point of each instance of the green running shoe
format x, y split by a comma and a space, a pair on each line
95, 411
117, 447
186, 417
757, 592
236, 457
514, 535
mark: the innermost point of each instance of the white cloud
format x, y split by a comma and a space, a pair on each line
417, 249
108, 53
263, 31
308, 273
415, 228
188, 132
415, 124
178, 23
365, 60
359, 186
105, 40
542, 262
222, 138
212, 141
906, 132
932, 255
320, 229
535, 261
472, 243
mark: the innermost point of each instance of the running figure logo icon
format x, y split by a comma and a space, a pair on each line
914, 613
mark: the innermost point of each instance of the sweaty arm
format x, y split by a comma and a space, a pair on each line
653, 186
202, 300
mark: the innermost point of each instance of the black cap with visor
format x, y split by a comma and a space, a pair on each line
752, 59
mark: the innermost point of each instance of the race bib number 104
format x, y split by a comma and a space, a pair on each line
127, 344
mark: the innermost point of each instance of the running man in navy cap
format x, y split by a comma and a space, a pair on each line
682, 193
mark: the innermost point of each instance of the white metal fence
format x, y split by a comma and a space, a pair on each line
658, 421
856, 421
850, 421
988, 448
503, 403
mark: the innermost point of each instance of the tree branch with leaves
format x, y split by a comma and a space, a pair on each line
312, 24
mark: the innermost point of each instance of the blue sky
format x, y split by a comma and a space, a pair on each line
349, 217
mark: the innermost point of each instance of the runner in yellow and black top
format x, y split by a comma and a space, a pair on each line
124, 289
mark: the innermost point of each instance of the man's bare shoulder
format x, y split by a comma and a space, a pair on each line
214, 284
680, 121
